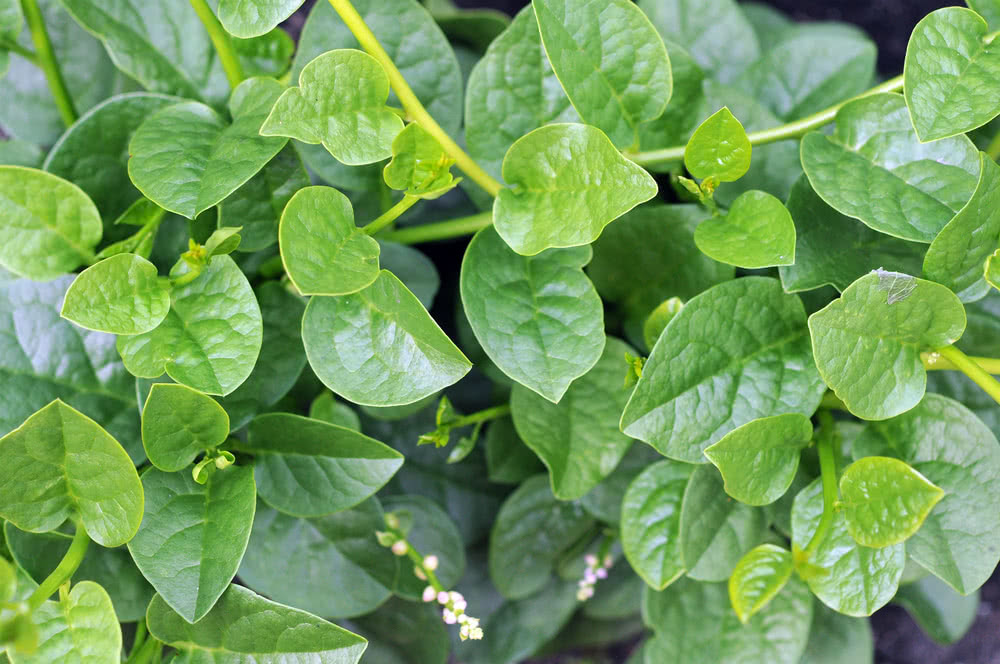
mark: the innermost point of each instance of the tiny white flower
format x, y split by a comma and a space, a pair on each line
456, 596
464, 632
429, 594
442, 597
449, 617
585, 593
589, 576
400, 547
431, 562
476, 634
459, 605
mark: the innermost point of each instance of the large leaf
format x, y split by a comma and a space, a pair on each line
178, 423
874, 168
401, 632
244, 626
50, 225
949, 445
538, 318
988, 9
578, 438
701, 382
193, 536
565, 172
61, 464
757, 578
757, 231
187, 158
431, 532
80, 628
950, 74
610, 61
838, 639
943, 614
379, 346
121, 295
308, 468
211, 337
251, 18
867, 343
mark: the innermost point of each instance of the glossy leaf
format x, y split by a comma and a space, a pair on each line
80, 628
610, 61
875, 169
352, 122
756, 232
651, 521
178, 423
120, 295
942, 614
718, 148
758, 460
838, 639
432, 532
379, 346
565, 172
326, 408
867, 343
322, 249
508, 459
988, 9
210, 348
681, 412
419, 165
251, 18
193, 535
413, 268
757, 578
401, 632
244, 624
50, 225
520, 628
61, 464
307, 467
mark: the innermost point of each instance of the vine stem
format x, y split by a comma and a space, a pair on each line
14, 47
972, 369
390, 215
46, 59
932, 363
828, 471
147, 652
414, 109
481, 416
418, 560
441, 230
795, 129
222, 42
993, 149
64, 570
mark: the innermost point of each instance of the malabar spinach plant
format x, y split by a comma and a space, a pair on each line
706, 360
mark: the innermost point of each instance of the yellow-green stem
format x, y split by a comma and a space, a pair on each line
414, 109
934, 361
64, 570
46, 59
828, 472
970, 368
441, 230
222, 41
390, 215
993, 149
418, 560
481, 416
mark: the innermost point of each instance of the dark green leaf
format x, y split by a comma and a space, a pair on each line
432, 532
509, 460
838, 639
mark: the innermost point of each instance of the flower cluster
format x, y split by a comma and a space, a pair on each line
595, 571
454, 612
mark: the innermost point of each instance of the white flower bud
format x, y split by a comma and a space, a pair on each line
442, 597
400, 547
431, 562
429, 594
585, 593
459, 605
449, 617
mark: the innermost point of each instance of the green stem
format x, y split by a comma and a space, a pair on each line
46, 59
828, 471
832, 401
993, 149
414, 109
418, 560
441, 230
390, 215
222, 42
147, 653
64, 570
481, 416
795, 129
14, 47
973, 370
933, 361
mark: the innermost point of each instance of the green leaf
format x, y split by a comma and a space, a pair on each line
419, 165
609, 60
875, 169
838, 639
651, 521
379, 346
950, 446
50, 225
604, 502
956, 256
193, 535
519, 629
121, 295
307, 467
61, 464
988, 9
867, 343
578, 438
11, 19
326, 408
508, 459
538, 318
401, 632
81, 628
687, 101
322, 249
245, 625
332, 566
758, 460
757, 578
756, 232
715, 531
693, 392
529, 536
178, 423
560, 172
950, 74
885, 501
251, 18
432, 532
991, 269
657, 321
718, 149
352, 122
942, 614
831, 249
210, 348
849, 578
413, 268
187, 158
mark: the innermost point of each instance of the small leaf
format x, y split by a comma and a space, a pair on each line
758, 460
178, 423
718, 149
756, 232
950, 73
120, 295
252, 18
657, 321
565, 172
419, 165
80, 628
867, 343
222, 241
322, 249
757, 578
991, 269
330, 107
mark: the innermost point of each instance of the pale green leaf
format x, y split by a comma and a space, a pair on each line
81, 628
178, 423
120, 295
757, 578
250, 18
988, 9
756, 232
419, 165
657, 321
991, 269
718, 148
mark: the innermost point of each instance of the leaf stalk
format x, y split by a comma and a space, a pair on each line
971, 368
828, 472
46, 59
441, 230
64, 570
390, 215
222, 42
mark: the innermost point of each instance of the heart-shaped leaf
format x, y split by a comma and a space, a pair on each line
718, 148
120, 295
178, 423
251, 18
757, 578
419, 165
80, 628
756, 232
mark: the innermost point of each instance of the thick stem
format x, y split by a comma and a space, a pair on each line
441, 230
934, 361
481, 416
828, 471
390, 215
222, 41
795, 129
414, 109
46, 59
970, 368
64, 570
